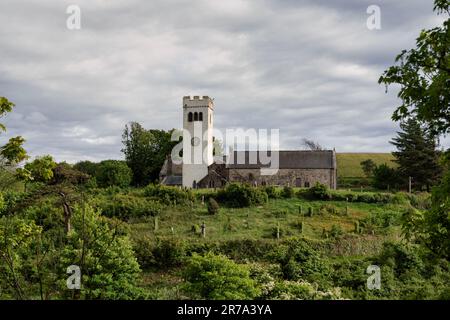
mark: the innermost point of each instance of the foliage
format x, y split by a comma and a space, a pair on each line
298, 260
288, 192
87, 167
432, 228
272, 192
113, 173
385, 177
145, 152
423, 75
319, 191
13, 151
417, 156
213, 206
216, 277
169, 195
368, 166
349, 164
105, 256
39, 170
126, 206
16, 237
241, 195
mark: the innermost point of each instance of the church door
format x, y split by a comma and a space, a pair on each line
298, 182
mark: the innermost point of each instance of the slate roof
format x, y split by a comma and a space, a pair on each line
323, 159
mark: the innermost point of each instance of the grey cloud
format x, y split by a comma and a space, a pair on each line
309, 68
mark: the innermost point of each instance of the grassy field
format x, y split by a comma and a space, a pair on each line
349, 163
232, 229
261, 222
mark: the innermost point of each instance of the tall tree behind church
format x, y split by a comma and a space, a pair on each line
417, 155
145, 152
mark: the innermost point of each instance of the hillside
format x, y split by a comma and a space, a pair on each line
349, 163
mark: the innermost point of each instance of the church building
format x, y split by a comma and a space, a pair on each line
200, 169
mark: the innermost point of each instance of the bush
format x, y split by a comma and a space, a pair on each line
169, 195
385, 177
288, 192
319, 191
272, 192
401, 258
113, 173
299, 261
215, 277
126, 207
110, 269
9, 199
241, 195
213, 206
169, 253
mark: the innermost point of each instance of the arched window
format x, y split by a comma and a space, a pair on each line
190, 117
200, 116
195, 116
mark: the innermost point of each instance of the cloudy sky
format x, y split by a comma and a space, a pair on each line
307, 67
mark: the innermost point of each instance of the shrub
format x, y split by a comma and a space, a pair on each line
113, 173
9, 199
241, 195
213, 206
301, 290
169, 195
110, 269
215, 277
288, 192
126, 207
298, 260
319, 191
272, 192
169, 253
401, 258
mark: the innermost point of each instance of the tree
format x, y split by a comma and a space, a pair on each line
417, 156
216, 277
311, 145
88, 167
12, 152
385, 177
104, 254
145, 152
41, 169
113, 173
423, 74
16, 237
368, 166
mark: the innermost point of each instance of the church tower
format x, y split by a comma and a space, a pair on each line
198, 146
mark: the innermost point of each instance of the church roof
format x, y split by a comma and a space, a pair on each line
323, 159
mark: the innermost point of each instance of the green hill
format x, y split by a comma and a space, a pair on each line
349, 163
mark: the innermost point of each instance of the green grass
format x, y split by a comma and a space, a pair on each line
349, 164
256, 222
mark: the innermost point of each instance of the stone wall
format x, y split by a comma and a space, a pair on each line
285, 177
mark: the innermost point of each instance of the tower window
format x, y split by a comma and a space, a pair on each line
195, 116
190, 116
200, 116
